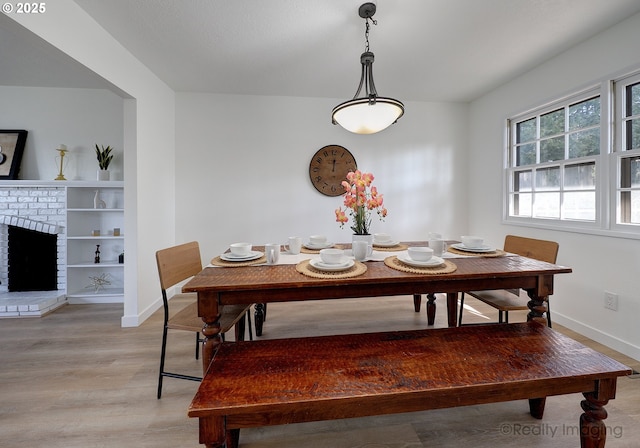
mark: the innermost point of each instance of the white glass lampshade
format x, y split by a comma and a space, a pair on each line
361, 116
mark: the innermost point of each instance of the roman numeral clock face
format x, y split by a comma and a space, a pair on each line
329, 167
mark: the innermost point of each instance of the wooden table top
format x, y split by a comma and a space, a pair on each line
469, 270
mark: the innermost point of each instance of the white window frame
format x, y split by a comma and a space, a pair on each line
600, 90
620, 152
608, 181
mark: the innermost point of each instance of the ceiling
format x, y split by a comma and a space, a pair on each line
426, 50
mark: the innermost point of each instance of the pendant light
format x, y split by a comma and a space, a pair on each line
370, 113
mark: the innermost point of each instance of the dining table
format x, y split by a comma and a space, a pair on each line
380, 276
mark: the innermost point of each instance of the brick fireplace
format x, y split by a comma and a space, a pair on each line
42, 210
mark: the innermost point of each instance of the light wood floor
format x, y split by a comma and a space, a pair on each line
74, 378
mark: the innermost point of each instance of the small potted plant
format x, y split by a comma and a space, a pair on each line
104, 157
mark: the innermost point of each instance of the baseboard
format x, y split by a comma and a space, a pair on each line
134, 320
624, 347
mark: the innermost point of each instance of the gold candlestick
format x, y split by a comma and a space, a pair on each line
62, 150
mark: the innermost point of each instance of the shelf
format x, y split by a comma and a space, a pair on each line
95, 210
89, 292
102, 264
101, 237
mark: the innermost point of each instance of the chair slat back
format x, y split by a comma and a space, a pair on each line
178, 263
541, 250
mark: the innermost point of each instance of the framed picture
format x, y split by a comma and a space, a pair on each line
11, 149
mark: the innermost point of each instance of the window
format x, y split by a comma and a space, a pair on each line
574, 164
553, 161
628, 157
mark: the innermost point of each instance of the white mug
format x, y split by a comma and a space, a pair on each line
361, 250
293, 245
272, 252
438, 245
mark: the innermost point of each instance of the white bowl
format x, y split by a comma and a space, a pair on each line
317, 240
420, 253
240, 249
381, 237
472, 241
331, 256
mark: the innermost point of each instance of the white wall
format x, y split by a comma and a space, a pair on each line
579, 297
149, 143
78, 118
242, 169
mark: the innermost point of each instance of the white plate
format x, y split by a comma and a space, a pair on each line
386, 243
431, 262
319, 265
461, 246
253, 255
318, 246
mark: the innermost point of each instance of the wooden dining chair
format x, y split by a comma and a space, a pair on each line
505, 300
175, 265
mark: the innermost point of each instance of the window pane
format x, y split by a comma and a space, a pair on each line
584, 143
633, 134
522, 181
633, 99
552, 149
635, 207
579, 205
630, 172
584, 114
580, 176
548, 179
526, 131
552, 123
547, 205
526, 154
520, 205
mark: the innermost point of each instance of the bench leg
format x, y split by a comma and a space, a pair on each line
259, 318
431, 308
593, 432
213, 432
536, 407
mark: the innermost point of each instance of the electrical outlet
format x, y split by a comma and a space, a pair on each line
611, 301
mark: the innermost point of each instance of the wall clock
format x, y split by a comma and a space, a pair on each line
329, 167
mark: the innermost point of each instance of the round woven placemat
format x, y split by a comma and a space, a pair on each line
493, 253
305, 250
445, 268
306, 269
217, 261
395, 248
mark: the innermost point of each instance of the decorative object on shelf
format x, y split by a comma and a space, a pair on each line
97, 202
96, 259
104, 157
116, 231
99, 282
11, 150
95, 232
121, 258
62, 149
370, 113
360, 199
329, 167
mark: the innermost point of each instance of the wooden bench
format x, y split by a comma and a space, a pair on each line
274, 382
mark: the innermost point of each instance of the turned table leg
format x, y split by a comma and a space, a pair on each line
210, 314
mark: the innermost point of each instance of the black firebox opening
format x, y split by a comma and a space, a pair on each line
32, 260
